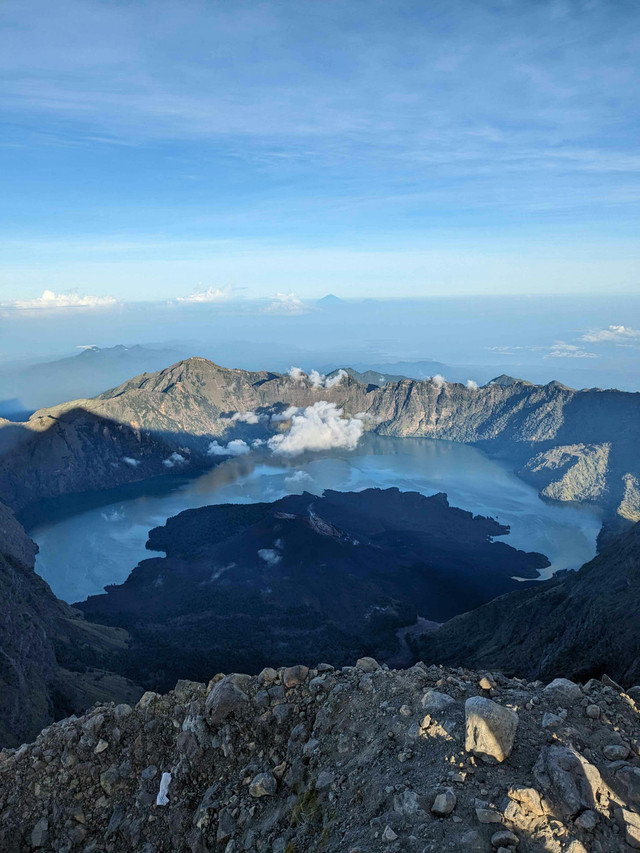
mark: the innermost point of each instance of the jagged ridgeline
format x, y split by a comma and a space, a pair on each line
572, 445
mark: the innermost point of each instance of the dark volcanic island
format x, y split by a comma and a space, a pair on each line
302, 579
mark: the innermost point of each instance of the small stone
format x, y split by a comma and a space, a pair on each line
147, 699
122, 711
40, 833
101, 746
325, 780
434, 701
444, 803
490, 729
504, 838
472, 842
593, 712
551, 721
267, 676
295, 675
367, 664
485, 815
616, 752
587, 820
528, 798
389, 834
485, 684
263, 785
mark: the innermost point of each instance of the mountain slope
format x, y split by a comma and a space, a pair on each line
365, 758
580, 625
51, 660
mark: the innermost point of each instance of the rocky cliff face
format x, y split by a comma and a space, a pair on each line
51, 660
574, 445
293, 760
581, 624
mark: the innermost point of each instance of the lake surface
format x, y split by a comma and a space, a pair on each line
89, 542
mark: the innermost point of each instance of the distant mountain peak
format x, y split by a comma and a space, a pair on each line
504, 380
330, 299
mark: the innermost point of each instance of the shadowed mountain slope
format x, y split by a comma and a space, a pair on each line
582, 624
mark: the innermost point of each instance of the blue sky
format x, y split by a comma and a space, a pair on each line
366, 148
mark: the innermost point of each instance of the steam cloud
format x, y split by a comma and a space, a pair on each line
316, 379
318, 427
173, 460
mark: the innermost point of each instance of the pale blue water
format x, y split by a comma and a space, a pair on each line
93, 547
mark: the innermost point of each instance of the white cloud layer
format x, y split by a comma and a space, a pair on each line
561, 349
318, 427
209, 294
285, 303
615, 334
72, 299
472, 385
237, 447
438, 380
128, 460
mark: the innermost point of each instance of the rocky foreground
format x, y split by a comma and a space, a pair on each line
363, 759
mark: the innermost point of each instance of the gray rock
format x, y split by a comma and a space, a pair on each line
593, 712
444, 803
295, 675
504, 838
627, 780
587, 820
40, 833
433, 701
563, 691
616, 752
572, 781
490, 729
367, 664
630, 822
263, 785
224, 699
551, 721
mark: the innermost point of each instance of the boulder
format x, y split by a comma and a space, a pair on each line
563, 691
572, 782
225, 698
295, 675
490, 729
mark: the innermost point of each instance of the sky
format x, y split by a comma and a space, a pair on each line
369, 148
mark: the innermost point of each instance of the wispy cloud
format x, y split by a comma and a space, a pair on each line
562, 349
